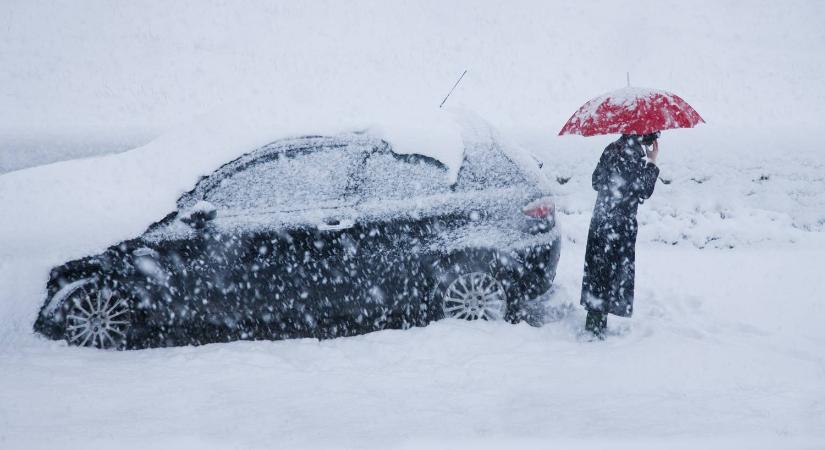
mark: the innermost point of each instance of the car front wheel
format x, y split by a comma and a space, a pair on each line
97, 316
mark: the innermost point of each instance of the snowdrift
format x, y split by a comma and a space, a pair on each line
76, 207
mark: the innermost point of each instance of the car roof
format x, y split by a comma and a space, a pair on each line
481, 141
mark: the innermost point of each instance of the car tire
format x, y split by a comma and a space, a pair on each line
97, 316
470, 286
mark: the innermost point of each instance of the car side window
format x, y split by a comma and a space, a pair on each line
387, 175
291, 180
487, 166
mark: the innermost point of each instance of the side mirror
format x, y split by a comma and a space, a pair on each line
199, 214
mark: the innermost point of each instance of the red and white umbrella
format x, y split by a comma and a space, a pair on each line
632, 110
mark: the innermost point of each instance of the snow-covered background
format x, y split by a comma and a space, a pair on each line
114, 74
726, 348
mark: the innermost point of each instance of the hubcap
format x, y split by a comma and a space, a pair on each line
97, 319
474, 296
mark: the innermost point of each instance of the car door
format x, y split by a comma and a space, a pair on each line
399, 217
208, 261
182, 284
289, 209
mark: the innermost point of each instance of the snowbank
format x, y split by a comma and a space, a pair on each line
716, 189
78, 207
714, 357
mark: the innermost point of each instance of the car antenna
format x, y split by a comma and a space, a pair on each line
451, 90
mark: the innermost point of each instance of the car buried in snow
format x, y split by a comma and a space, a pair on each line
320, 237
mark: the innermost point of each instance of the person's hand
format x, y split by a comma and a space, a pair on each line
652, 151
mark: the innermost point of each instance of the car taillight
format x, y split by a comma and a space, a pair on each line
542, 208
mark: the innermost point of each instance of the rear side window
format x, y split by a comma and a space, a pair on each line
296, 179
486, 166
387, 175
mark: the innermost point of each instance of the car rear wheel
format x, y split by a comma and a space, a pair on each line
97, 316
473, 296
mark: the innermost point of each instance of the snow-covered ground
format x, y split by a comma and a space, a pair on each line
725, 349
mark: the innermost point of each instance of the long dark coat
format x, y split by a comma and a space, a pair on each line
623, 179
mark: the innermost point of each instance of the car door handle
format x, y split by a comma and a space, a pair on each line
335, 224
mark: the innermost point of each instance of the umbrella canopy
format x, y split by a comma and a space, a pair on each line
632, 110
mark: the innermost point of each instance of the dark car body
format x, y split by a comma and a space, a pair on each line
315, 237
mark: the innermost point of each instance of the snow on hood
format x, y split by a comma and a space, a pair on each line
74, 207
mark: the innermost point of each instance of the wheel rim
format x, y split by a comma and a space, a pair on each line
475, 296
97, 319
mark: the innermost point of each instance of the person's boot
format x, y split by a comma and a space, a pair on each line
596, 324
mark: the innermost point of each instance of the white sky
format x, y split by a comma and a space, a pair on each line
99, 66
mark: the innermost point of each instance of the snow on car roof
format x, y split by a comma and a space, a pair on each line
81, 206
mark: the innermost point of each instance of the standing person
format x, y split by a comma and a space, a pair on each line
625, 176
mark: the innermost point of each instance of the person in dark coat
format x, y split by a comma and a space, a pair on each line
624, 177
